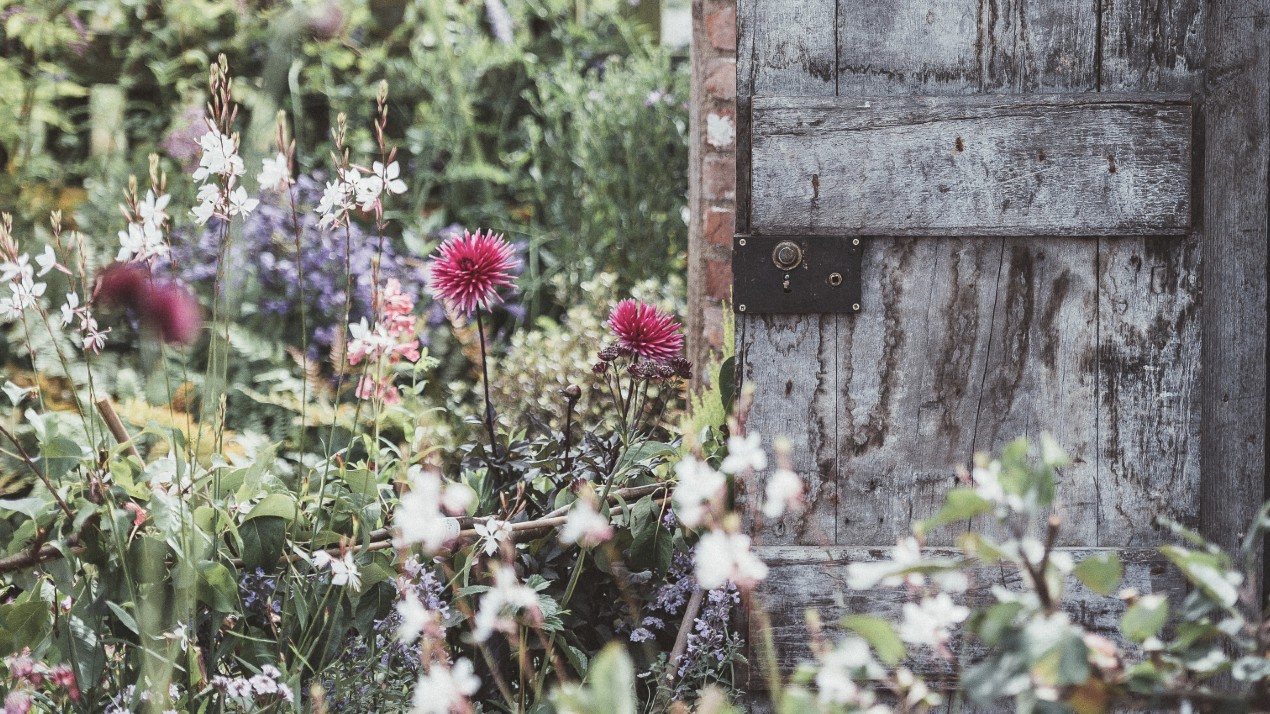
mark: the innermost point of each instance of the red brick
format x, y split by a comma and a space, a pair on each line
712, 317
721, 27
720, 225
721, 79
719, 279
718, 174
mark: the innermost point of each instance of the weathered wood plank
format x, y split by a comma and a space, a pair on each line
1149, 348
816, 578
909, 362
1021, 165
789, 361
1040, 369
910, 371
1233, 316
877, 41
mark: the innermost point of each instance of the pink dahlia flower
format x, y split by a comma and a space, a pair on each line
467, 270
170, 309
649, 332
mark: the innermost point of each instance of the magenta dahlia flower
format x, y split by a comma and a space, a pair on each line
467, 270
647, 331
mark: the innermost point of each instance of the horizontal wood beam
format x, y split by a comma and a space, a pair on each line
811, 577
1090, 164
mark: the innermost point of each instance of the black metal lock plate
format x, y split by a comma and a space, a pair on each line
796, 274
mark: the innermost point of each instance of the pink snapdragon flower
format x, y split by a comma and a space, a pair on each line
391, 339
467, 270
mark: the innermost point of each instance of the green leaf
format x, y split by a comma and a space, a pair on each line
611, 680
263, 541
361, 483
278, 505
994, 622
880, 635
727, 384
1100, 573
961, 504
32, 507
1206, 571
217, 587
125, 617
1145, 617
23, 624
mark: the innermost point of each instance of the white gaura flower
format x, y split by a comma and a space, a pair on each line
333, 206
275, 174
887, 573
442, 690
69, 309
210, 200
493, 532
929, 621
388, 175
219, 156
506, 598
153, 210
415, 618
744, 452
344, 570
240, 203
585, 527
141, 241
420, 516
723, 557
835, 681
784, 490
46, 260
700, 488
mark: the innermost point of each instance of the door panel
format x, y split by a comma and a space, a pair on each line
966, 341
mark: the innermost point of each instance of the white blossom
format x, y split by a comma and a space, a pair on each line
219, 156
420, 518
275, 174
493, 532
744, 452
723, 557
585, 527
344, 570
928, 622
46, 260
835, 679
334, 205
153, 210
443, 690
69, 309
888, 573
508, 596
415, 618
240, 204
784, 490
141, 241
700, 487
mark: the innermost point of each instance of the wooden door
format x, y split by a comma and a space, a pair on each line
1030, 182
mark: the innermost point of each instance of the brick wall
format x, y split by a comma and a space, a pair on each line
712, 190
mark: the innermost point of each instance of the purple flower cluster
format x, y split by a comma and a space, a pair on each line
265, 245
710, 640
258, 593
353, 681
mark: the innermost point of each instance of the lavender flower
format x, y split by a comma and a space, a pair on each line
265, 246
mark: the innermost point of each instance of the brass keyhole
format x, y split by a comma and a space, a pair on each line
787, 255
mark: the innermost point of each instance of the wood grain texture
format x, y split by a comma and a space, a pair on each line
817, 578
790, 362
1149, 348
1233, 317
1024, 165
